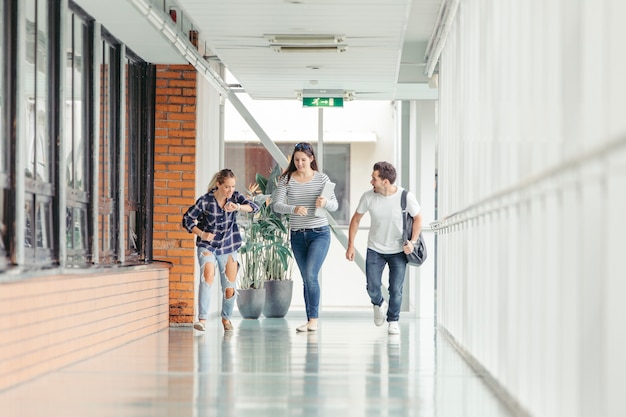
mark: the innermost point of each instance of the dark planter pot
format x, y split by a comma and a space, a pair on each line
250, 302
277, 298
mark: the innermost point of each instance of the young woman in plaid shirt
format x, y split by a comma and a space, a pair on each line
213, 219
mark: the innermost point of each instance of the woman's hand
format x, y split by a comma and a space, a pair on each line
301, 211
207, 236
230, 206
320, 202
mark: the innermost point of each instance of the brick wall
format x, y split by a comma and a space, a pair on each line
50, 322
174, 182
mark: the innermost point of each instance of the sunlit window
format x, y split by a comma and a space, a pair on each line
134, 132
39, 166
106, 168
4, 145
76, 140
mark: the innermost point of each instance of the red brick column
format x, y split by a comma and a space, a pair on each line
174, 182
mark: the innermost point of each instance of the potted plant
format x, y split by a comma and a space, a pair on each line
251, 293
266, 258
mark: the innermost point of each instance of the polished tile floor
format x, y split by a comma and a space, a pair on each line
349, 367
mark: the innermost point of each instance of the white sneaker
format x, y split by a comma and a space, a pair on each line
394, 328
380, 313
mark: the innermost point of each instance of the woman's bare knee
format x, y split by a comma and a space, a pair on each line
231, 269
231, 275
209, 272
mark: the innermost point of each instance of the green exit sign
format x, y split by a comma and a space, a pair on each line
322, 102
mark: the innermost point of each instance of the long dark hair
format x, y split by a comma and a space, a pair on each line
305, 147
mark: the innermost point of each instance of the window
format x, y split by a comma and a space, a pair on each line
39, 172
61, 203
135, 130
76, 140
4, 146
107, 219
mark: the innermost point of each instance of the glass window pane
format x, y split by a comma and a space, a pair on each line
79, 82
80, 228
76, 228
4, 146
69, 221
43, 214
28, 69
28, 222
4, 243
105, 233
131, 238
69, 104
3, 136
105, 169
42, 136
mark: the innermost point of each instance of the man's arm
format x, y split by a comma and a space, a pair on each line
354, 227
417, 227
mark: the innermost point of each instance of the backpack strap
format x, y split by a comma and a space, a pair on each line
403, 206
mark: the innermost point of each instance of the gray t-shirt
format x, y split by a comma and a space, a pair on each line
385, 235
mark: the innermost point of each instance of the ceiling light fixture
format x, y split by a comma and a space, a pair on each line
305, 39
307, 43
347, 95
330, 48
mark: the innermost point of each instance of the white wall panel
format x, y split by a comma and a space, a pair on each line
531, 158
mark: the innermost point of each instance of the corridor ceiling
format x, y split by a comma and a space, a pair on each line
384, 41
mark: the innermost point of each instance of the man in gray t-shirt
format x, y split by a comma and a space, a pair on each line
385, 245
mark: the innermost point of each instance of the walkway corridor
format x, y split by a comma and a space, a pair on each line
264, 368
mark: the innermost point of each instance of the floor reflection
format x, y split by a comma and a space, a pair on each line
349, 367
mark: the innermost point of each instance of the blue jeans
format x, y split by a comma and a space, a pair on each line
204, 292
374, 264
310, 247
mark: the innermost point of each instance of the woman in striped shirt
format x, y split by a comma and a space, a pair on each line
298, 194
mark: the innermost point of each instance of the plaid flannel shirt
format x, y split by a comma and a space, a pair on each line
211, 218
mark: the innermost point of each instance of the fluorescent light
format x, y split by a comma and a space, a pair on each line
309, 49
305, 39
347, 95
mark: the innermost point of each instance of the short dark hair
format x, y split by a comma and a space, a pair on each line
386, 171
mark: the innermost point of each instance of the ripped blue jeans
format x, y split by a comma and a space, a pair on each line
204, 294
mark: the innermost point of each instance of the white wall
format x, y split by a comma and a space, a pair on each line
532, 159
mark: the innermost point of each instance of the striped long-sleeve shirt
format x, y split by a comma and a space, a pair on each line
289, 194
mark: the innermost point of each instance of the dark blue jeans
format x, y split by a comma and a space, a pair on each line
374, 264
310, 247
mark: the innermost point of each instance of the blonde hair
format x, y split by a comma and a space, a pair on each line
220, 177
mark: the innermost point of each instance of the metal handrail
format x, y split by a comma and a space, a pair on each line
489, 204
